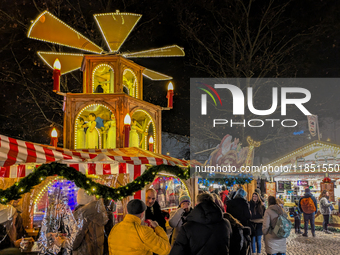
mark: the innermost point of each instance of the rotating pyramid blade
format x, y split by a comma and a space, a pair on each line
49, 28
69, 61
116, 27
168, 51
155, 76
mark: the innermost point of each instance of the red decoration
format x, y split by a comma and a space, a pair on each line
326, 180
151, 144
56, 75
54, 138
170, 95
127, 135
127, 127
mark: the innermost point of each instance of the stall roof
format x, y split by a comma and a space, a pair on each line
309, 151
316, 152
13, 152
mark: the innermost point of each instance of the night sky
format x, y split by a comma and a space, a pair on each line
29, 108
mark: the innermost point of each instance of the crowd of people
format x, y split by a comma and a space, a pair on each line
220, 223
224, 223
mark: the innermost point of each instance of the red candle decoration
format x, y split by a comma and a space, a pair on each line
151, 143
56, 75
54, 138
170, 95
127, 127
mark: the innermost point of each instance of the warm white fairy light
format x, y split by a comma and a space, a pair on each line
40, 53
140, 54
307, 149
113, 14
40, 194
79, 34
147, 128
134, 87
94, 71
166, 77
75, 124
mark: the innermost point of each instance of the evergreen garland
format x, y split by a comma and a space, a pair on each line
228, 180
82, 181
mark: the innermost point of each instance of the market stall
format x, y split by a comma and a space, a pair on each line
316, 166
113, 168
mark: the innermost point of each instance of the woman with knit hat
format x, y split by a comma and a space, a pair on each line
178, 217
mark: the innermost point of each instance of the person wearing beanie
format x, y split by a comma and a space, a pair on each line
309, 206
91, 214
178, 217
130, 237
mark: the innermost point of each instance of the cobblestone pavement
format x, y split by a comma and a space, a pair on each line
321, 244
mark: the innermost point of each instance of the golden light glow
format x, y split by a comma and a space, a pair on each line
56, 64
116, 27
150, 140
94, 72
147, 127
170, 86
75, 126
134, 86
127, 119
48, 28
155, 76
54, 133
69, 61
168, 51
305, 150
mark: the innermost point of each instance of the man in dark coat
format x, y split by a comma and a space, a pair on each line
239, 207
308, 216
206, 232
153, 211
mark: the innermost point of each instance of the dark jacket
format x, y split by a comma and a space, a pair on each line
239, 209
256, 228
206, 232
313, 198
240, 237
155, 214
90, 238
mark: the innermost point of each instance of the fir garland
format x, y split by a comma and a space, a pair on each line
228, 180
82, 181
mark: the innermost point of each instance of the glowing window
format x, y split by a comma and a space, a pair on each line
103, 79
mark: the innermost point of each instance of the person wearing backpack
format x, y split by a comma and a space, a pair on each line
308, 205
275, 228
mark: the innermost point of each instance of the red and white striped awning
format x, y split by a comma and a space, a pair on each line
18, 158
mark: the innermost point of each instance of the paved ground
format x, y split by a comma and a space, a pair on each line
322, 244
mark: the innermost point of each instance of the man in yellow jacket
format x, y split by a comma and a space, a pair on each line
130, 237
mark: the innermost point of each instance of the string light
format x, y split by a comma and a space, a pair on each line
166, 50
94, 72
100, 50
134, 87
313, 147
113, 14
41, 53
75, 125
148, 74
147, 127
